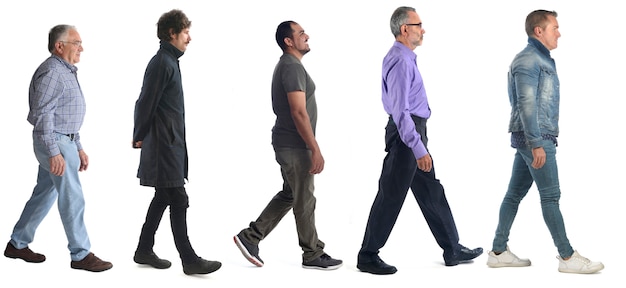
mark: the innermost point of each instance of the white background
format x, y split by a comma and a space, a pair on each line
227, 70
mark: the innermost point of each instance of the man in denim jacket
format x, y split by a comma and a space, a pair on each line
534, 95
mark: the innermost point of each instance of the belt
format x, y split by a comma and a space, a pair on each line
71, 136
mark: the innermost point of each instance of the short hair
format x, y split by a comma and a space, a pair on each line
283, 31
538, 18
399, 17
174, 20
57, 33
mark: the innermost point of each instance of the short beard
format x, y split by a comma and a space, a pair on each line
303, 52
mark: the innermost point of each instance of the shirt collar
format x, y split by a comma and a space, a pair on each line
405, 50
72, 68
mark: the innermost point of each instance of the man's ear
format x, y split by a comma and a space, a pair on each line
288, 42
538, 31
58, 46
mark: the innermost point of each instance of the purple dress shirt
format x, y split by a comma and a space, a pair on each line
404, 95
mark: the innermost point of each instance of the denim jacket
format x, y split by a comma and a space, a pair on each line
533, 86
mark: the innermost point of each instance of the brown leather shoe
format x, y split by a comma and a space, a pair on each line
25, 254
91, 263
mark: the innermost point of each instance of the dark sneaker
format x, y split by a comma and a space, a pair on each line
91, 263
201, 266
324, 262
249, 250
149, 258
25, 254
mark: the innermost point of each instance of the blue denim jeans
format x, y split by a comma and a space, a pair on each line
547, 181
50, 188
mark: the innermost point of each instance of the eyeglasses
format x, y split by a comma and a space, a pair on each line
77, 43
414, 24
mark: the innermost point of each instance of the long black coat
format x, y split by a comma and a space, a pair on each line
160, 122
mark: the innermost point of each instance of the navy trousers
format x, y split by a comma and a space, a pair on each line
400, 173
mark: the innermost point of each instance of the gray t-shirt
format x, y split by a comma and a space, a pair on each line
290, 76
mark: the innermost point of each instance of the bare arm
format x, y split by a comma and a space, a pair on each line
297, 104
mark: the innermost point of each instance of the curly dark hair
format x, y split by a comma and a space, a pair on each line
172, 22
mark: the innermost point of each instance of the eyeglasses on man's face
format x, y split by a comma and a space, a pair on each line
76, 43
414, 24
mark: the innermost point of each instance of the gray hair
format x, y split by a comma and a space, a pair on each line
399, 18
57, 33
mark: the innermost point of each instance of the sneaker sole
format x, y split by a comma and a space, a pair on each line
322, 268
502, 265
245, 252
591, 271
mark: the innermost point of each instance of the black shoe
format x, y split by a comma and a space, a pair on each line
201, 266
149, 258
463, 255
378, 267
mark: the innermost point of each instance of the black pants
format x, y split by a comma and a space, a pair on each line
400, 173
177, 199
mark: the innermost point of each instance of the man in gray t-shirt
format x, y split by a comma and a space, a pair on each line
297, 152
289, 77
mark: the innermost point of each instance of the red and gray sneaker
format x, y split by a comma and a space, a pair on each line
249, 250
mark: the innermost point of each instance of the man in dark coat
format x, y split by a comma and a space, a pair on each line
160, 132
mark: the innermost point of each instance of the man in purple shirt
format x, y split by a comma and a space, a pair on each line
408, 163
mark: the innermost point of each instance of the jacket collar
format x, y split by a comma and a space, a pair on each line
537, 44
167, 46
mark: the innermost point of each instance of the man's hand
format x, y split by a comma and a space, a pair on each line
137, 144
84, 160
539, 157
317, 163
425, 163
57, 165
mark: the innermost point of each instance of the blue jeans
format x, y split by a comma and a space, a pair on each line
547, 181
50, 188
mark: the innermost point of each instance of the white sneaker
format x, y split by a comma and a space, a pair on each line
579, 264
506, 259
